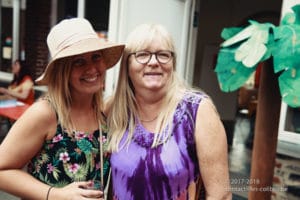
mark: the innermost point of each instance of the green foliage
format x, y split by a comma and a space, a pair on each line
85, 146
231, 74
244, 48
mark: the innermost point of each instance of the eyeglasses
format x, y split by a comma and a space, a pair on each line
143, 57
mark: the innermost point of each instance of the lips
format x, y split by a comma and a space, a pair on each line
90, 78
152, 74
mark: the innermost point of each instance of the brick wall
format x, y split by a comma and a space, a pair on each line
37, 28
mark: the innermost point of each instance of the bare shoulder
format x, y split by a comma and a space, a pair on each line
42, 110
208, 122
207, 109
40, 116
36, 124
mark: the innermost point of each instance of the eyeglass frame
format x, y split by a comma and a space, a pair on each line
151, 54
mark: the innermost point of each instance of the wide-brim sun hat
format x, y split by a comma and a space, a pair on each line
76, 36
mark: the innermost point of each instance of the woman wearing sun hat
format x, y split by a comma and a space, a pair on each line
58, 136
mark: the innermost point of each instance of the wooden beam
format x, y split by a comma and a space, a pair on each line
265, 136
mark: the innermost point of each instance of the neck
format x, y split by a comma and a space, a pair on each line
149, 120
82, 102
84, 120
148, 109
83, 116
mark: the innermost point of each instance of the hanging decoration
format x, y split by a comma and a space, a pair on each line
244, 48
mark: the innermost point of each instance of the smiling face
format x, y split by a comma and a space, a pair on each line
152, 75
87, 73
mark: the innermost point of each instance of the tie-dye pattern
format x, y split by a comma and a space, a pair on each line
161, 173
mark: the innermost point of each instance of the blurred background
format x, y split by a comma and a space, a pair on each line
196, 26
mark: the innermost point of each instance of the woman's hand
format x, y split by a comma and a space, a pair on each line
75, 191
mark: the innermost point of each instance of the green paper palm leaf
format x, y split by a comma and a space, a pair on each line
287, 40
286, 57
289, 84
244, 48
254, 49
231, 74
239, 37
253, 39
230, 32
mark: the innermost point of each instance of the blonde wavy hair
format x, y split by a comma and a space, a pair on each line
59, 94
123, 106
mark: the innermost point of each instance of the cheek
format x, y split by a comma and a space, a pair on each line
72, 80
102, 66
74, 74
168, 68
131, 73
133, 69
135, 76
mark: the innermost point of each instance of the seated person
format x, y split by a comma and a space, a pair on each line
21, 87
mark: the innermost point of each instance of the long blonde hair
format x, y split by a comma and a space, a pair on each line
123, 110
59, 93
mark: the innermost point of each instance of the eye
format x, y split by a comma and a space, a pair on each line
142, 54
79, 62
96, 57
164, 54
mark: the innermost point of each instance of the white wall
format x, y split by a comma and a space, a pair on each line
175, 15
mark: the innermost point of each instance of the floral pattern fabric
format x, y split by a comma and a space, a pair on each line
65, 159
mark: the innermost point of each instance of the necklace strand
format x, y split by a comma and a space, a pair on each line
101, 154
150, 120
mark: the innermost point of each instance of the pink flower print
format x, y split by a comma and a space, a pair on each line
79, 135
64, 157
57, 138
104, 139
90, 136
38, 168
73, 168
50, 168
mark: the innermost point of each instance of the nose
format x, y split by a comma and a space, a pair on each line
96, 65
93, 68
153, 60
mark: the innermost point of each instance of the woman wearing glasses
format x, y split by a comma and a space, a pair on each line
167, 140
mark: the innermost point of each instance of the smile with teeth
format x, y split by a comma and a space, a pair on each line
90, 78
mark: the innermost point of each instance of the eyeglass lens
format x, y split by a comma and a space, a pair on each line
144, 57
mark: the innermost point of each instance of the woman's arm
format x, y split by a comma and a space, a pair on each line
21, 143
211, 144
24, 141
21, 91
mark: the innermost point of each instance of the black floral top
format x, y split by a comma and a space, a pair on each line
65, 159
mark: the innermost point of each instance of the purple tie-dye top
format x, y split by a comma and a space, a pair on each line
140, 172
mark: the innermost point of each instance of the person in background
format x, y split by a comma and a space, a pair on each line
62, 133
167, 139
21, 87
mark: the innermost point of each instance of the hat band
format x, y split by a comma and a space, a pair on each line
72, 40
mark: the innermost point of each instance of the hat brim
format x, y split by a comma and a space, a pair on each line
111, 54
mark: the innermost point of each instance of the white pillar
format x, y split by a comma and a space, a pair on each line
81, 8
16, 29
